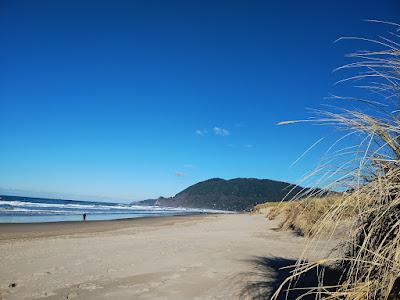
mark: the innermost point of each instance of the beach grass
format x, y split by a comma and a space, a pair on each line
369, 256
302, 216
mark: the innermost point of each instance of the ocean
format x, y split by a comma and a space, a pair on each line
16, 209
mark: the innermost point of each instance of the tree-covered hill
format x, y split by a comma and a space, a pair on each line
236, 194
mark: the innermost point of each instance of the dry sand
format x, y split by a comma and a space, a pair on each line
188, 257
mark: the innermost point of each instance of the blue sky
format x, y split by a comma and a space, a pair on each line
127, 100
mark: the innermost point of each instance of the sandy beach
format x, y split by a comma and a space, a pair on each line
186, 257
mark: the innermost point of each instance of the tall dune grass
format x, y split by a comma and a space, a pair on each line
370, 173
301, 216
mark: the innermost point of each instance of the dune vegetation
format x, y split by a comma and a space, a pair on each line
368, 172
302, 216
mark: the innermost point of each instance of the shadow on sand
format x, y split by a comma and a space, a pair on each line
270, 273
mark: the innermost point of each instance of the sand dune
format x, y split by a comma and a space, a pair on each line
189, 257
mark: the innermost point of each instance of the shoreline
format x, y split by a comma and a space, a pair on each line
15, 231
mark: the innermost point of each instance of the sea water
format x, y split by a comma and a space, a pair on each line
16, 209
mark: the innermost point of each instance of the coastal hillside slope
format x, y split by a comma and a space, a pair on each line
237, 194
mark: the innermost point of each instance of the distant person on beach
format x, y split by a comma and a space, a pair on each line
84, 217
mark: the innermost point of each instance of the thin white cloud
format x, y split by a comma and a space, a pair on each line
201, 131
221, 131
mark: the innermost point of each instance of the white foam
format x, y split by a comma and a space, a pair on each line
71, 208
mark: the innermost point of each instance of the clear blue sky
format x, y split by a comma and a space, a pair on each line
128, 100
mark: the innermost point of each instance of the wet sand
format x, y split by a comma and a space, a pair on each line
185, 257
